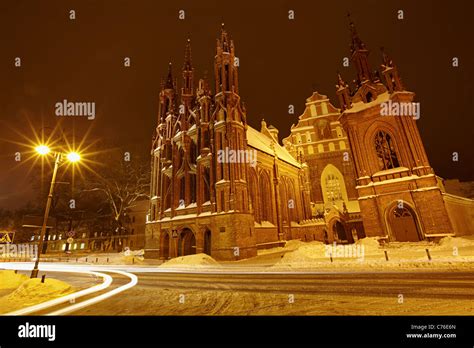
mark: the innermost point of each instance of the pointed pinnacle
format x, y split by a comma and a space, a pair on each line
387, 62
187, 56
169, 80
340, 80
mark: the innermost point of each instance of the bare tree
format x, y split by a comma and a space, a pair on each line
122, 180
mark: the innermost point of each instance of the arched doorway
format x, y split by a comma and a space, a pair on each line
339, 231
403, 224
165, 246
186, 243
207, 242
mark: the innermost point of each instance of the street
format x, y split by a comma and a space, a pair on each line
446, 293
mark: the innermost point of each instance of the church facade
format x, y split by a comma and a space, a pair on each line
221, 187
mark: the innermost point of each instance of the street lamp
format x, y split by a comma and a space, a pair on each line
72, 157
42, 149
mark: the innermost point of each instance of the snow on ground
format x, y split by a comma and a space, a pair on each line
449, 253
450, 242
127, 257
28, 292
198, 260
303, 253
289, 246
333, 296
367, 253
10, 280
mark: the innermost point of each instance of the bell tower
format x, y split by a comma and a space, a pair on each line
230, 130
229, 152
398, 193
186, 149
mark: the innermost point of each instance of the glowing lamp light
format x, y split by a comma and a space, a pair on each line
73, 157
42, 149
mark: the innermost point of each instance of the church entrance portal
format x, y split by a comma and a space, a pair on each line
186, 243
403, 224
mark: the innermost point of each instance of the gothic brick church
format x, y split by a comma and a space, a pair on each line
221, 187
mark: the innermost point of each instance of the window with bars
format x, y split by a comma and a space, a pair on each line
385, 149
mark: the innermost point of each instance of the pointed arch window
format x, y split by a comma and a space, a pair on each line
254, 194
182, 192
266, 198
206, 184
192, 152
333, 188
193, 188
227, 77
385, 149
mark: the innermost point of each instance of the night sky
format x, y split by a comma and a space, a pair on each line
281, 62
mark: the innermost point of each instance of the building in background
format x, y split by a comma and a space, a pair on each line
136, 224
321, 141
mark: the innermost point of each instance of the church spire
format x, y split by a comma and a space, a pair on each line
187, 56
357, 43
223, 42
359, 54
188, 74
167, 94
225, 67
169, 80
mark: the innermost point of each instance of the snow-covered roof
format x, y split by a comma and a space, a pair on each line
356, 107
263, 143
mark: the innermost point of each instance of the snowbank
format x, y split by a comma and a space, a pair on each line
127, 257
11, 280
34, 288
294, 244
303, 252
199, 260
132, 256
370, 244
32, 292
368, 254
299, 252
450, 242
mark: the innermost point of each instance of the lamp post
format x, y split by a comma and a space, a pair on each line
72, 157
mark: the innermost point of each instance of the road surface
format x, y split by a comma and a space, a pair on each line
230, 291
404, 293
